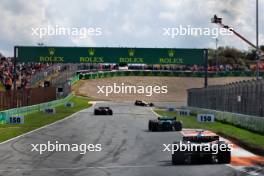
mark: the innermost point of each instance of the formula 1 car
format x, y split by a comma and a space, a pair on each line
143, 103
202, 147
165, 124
103, 111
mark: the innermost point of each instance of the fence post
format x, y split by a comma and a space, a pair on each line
206, 68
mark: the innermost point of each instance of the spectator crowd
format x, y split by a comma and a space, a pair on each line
24, 72
180, 68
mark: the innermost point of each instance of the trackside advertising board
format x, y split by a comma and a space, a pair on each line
110, 55
206, 118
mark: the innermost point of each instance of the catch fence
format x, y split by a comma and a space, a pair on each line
245, 97
26, 97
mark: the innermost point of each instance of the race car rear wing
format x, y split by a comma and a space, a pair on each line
167, 118
200, 139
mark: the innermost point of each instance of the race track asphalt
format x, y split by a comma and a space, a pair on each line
128, 148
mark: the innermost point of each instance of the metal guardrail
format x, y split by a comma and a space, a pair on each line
240, 103
252, 123
102, 74
94, 75
244, 97
43, 74
31, 109
65, 72
68, 79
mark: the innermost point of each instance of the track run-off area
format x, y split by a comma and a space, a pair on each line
128, 148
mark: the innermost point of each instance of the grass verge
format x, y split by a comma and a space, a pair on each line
40, 119
247, 139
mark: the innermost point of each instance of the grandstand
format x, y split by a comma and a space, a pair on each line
57, 75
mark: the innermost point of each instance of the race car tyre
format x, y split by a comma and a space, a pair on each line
178, 126
95, 112
150, 125
110, 112
224, 157
151, 104
155, 126
178, 158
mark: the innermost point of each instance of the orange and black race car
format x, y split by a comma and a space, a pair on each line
103, 111
198, 146
143, 103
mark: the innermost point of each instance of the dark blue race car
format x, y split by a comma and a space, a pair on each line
165, 124
143, 103
103, 111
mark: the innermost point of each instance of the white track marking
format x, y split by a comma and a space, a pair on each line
66, 118
79, 168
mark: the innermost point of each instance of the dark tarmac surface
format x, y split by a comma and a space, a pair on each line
128, 149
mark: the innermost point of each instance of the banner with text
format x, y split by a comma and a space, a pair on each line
110, 55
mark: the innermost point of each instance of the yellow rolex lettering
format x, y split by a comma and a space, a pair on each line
171, 60
58, 59
51, 59
131, 60
92, 59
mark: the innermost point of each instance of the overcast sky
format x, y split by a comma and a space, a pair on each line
126, 23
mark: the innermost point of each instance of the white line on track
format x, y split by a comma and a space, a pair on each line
80, 168
66, 118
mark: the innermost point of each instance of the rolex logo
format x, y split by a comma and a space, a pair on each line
131, 52
51, 51
171, 53
91, 52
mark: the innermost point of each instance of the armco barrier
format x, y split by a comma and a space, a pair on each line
30, 109
252, 123
95, 75
74, 79
168, 73
243, 97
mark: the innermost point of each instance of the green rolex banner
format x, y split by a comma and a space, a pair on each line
110, 55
